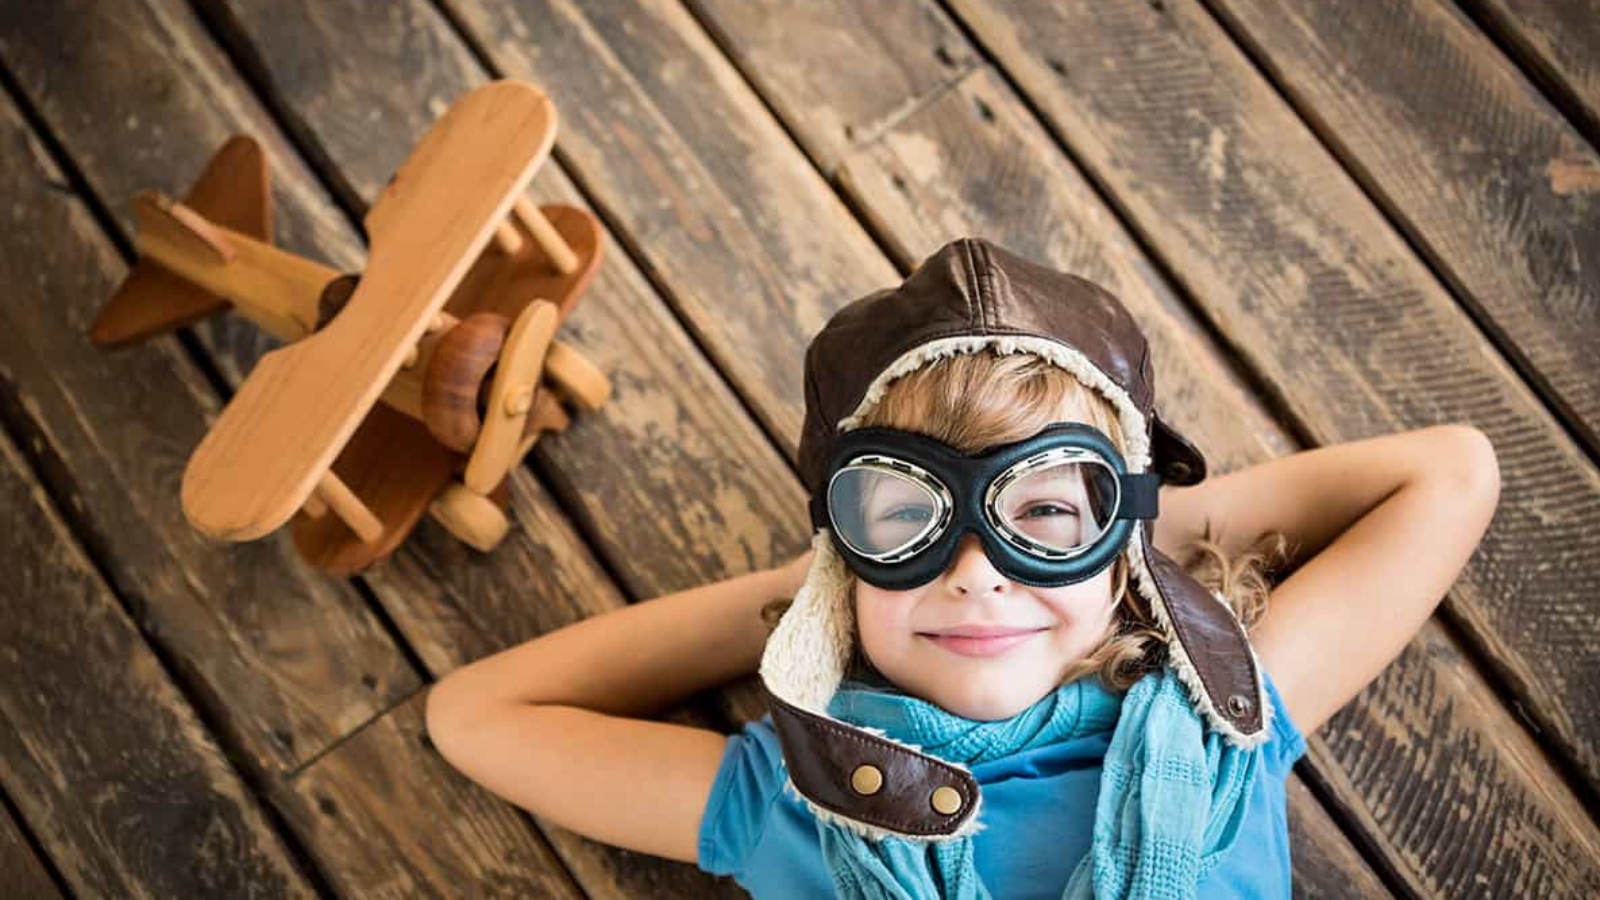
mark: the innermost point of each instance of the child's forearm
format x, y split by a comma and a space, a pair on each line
1313, 496
639, 660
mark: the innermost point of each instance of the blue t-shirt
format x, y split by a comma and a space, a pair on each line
1038, 807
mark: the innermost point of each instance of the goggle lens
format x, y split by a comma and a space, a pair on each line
878, 510
1062, 506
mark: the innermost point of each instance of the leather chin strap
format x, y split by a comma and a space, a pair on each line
826, 757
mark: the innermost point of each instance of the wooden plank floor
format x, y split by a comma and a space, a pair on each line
1335, 220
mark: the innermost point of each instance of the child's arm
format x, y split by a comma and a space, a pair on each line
546, 724
1379, 528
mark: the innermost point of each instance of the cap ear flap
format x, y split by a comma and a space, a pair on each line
1206, 644
1176, 459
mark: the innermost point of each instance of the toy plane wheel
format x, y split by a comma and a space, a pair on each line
474, 519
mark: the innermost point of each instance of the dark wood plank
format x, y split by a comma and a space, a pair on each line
100, 752
1558, 42
283, 660
1460, 711
1491, 183
24, 872
1319, 848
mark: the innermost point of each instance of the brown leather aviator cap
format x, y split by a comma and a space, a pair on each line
968, 296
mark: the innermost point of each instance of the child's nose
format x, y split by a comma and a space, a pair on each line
971, 574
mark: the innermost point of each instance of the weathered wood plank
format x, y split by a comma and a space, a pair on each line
284, 661
543, 576
24, 872
914, 58
100, 752
1397, 753
1558, 41
1494, 186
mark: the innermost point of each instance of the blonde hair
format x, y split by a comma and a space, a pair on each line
976, 400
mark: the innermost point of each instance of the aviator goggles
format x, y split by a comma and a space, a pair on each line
1049, 510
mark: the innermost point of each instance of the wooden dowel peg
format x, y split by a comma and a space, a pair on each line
314, 507
507, 239
348, 507
550, 240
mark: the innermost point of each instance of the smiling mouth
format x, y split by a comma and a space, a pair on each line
981, 646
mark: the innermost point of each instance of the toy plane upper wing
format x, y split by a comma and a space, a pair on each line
281, 432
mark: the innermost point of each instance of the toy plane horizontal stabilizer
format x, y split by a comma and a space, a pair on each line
234, 191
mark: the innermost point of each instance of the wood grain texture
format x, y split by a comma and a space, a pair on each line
1497, 189
1558, 43
285, 662
1319, 848
847, 92
102, 755
24, 871
972, 161
1325, 299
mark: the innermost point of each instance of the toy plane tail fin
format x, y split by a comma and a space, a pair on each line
234, 191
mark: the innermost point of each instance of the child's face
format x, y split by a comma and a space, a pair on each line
1072, 620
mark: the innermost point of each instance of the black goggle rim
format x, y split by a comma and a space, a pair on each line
1019, 557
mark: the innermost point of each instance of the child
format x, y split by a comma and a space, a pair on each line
992, 680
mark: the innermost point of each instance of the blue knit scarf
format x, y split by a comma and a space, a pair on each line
1172, 796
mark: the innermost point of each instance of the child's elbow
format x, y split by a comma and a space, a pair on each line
446, 714
1474, 465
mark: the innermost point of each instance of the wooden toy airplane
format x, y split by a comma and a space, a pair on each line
451, 325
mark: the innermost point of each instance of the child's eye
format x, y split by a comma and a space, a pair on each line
911, 514
1047, 509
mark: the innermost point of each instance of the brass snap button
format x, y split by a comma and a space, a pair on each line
1178, 470
1237, 704
866, 779
946, 800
